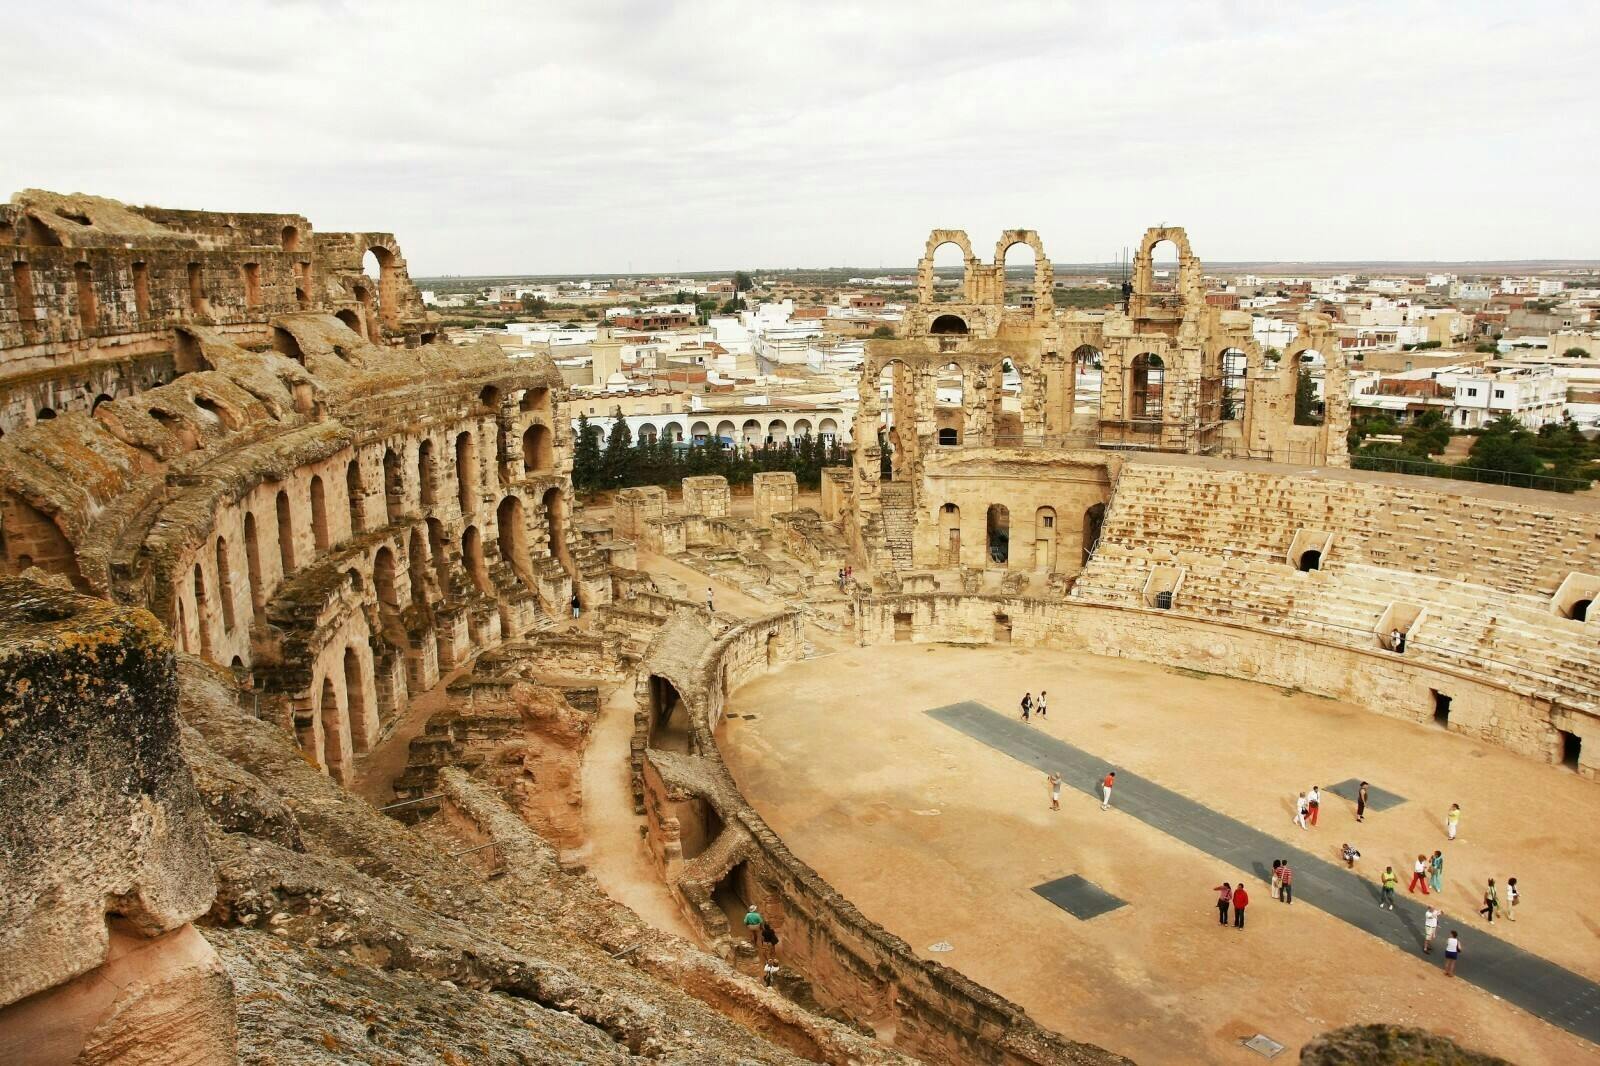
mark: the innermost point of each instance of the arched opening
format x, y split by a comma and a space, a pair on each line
669, 716
197, 290
466, 470
88, 302
949, 535
351, 319
321, 535
512, 527
1307, 405
1094, 518
439, 553
284, 343
999, 534
384, 582
827, 431
378, 264
1146, 388
417, 560
535, 401
426, 480
555, 510
141, 290
472, 555
44, 414
334, 730
1164, 264
946, 325
251, 273
357, 495
252, 562
1580, 611
1044, 539
355, 699
750, 433
725, 432
394, 488
1087, 366
1310, 560
225, 585
286, 551
538, 449
949, 273
180, 631
893, 401
1235, 364
802, 428
646, 433
202, 612
1021, 268
98, 400
22, 287
777, 431
950, 403
290, 238
700, 432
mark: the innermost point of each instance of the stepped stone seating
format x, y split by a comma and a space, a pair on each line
1482, 569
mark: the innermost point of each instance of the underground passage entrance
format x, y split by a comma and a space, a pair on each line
999, 529
1441, 708
1571, 747
732, 896
1310, 560
669, 718
1580, 610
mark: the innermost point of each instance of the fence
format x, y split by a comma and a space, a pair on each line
1467, 473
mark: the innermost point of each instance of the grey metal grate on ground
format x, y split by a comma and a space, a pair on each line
1377, 799
1079, 898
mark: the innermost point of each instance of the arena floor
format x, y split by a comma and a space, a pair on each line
940, 837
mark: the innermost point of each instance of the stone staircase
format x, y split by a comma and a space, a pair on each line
899, 521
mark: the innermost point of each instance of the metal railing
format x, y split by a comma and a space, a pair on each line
1450, 472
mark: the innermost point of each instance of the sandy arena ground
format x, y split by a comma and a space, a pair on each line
940, 838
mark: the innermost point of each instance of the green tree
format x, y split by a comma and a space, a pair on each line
1576, 353
1506, 445
615, 463
882, 333
586, 455
1305, 400
534, 304
742, 282
1428, 434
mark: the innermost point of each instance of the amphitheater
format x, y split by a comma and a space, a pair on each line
304, 758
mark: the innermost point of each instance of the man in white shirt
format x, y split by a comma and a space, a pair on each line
1430, 929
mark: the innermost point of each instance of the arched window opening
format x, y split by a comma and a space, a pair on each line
1580, 611
44, 414
290, 238
378, 264
538, 452
1310, 560
197, 290
646, 434
1147, 388
950, 535
225, 585
355, 698
555, 510
394, 487
949, 273
425, 473
948, 325
202, 612
88, 301
351, 319
417, 553
320, 534
1021, 266
286, 551
1044, 539
466, 470
439, 553
999, 534
535, 401
356, 493
948, 437
1094, 518
777, 431
334, 726
472, 554
384, 582
512, 527
252, 562
1164, 264
1235, 364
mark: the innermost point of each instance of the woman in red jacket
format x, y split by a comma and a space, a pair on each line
1241, 900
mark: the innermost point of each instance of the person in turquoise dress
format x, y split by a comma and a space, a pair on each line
1436, 872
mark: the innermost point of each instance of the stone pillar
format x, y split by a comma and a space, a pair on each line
634, 507
775, 493
706, 496
104, 865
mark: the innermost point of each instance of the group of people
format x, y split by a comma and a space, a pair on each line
1030, 706
764, 940
1053, 779
1307, 806
845, 576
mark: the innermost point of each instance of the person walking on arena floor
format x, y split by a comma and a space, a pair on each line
1390, 880
1241, 900
1300, 811
1285, 883
1027, 705
1419, 875
753, 922
1277, 877
1105, 790
1361, 802
1452, 821
1436, 871
710, 607
1224, 897
1452, 951
1039, 708
1430, 928
1512, 896
1055, 789
1313, 801
1491, 901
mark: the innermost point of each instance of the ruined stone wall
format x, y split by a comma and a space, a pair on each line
339, 522
103, 856
92, 291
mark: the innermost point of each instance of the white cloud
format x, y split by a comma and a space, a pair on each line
651, 136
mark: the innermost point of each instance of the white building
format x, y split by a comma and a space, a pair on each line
1469, 397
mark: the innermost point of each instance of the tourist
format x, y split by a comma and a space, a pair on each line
1397, 641
1430, 928
1491, 901
1055, 790
1241, 900
577, 606
1224, 897
1452, 821
1313, 801
1419, 875
1027, 705
1390, 880
841, 579
1452, 950
1105, 790
1349, 855
769, 941
1512, 895
753, 922
1361, 802
1285, 883
1436, 871
1039, 707
1277, 877
768, 972
710, 607
1300, 811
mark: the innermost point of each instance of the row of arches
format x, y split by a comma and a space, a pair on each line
1039, 552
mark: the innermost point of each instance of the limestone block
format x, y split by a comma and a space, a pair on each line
706, 496
775, 493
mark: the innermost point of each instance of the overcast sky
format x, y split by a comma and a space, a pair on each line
653, 136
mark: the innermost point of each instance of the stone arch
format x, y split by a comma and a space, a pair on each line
351, 319
997, 540
555, 511
439, 554
646, 433
802, 427
466, 469
538, 449
1044, 539
949, 518
225, 585
925, 267
252, 562
948, 324
387, 259
358, 708
385, 581
1043, 281
335, 728
1147, 387
427, 483
777, 431
669, 716
472, 556
1094, 517
750, 433
726, 430
289, 237
394, 486
321, 532
1185, 287
286, 552
828, 430
356, 494
700, 432
202, 613
535, 401
417, 566
511, 525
